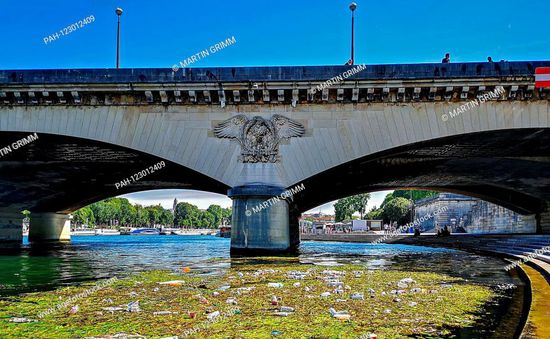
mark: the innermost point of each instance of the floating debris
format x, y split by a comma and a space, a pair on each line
341, 315
213, 315
133, 307
164, 313
172, 282
281, 314
275, 285
358, 296
21, 320
286, 309
113, 309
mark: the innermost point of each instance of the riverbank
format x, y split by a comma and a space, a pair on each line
261, 298
537, 272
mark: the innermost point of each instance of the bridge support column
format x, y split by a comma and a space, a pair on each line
47, 227
260, 221
11, 229
543, 222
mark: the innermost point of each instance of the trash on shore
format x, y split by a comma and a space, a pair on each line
213, 315
113, 309
286, 309
325, 295
172, 282
340, 315
74, 309
281, 314
358, 296
134, 307
275, 285
224, 288
21, 320
231, 301
274, 300
164, 313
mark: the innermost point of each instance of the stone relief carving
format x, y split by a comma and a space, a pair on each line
259, 138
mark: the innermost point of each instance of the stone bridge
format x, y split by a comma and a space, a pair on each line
480, 129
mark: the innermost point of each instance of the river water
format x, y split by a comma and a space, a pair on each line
86, 258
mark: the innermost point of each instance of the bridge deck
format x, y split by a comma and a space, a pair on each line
272, 74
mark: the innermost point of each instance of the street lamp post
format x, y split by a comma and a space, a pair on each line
352, 7
118, 12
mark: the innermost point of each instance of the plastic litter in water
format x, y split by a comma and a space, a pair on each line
172, 282
341, 315
21, 320
358, 296
133, 307
275, 285
286, 309
213, 315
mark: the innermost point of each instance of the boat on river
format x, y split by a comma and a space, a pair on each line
224, 231
145, 231
107, 231
83, 231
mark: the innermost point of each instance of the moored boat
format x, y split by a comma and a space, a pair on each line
83, 231
145, 231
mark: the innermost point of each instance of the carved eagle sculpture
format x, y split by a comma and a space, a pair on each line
259, 138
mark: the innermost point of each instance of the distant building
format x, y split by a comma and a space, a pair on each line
470, 215
175, 205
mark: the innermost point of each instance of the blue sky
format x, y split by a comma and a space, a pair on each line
161, 33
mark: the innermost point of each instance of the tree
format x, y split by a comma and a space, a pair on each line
397, 210
343, 209
141, 217
416, 195
186, 215
217, 212
358, 203
375, 214
84, 216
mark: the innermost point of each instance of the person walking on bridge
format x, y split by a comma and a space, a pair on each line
446, 59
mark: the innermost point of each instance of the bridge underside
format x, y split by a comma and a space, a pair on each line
56, 175
510, 168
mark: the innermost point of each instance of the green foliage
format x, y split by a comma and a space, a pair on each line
345, 207
118, 212
189, 216
397, 210
375, 214
84, 216
416, 195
